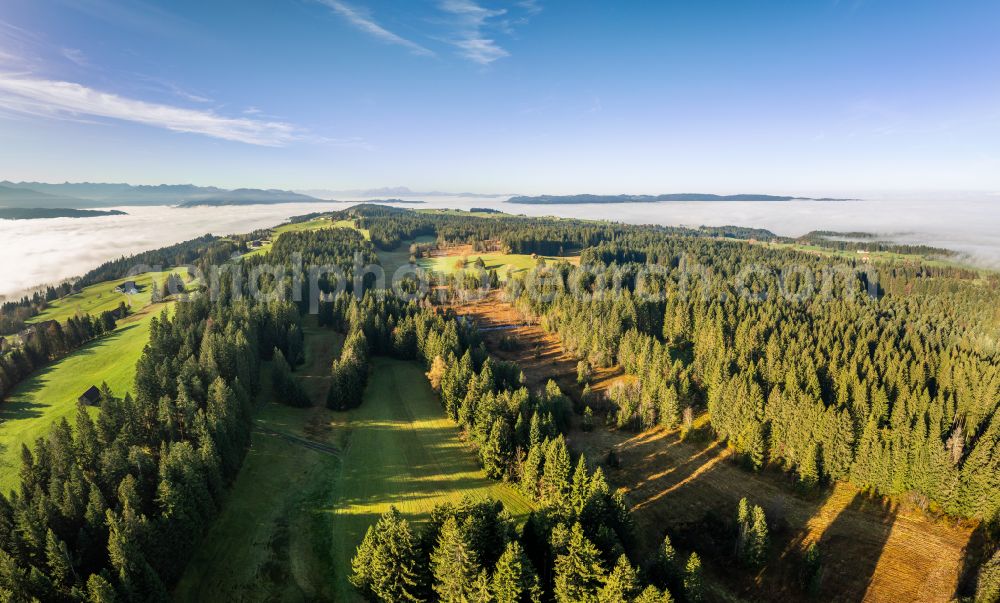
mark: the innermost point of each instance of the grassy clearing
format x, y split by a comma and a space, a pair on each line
402, 450
102, 297
503, 263
400, 256
295, 514
51, 393
270, 543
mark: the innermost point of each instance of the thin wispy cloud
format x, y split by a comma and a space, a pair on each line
471, 20
23, 94
75, 55
365, 23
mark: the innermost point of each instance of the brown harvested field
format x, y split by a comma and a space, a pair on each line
873, 550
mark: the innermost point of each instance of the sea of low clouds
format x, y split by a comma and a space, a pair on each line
37, 252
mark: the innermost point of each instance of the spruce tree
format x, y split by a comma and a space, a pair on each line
514, 580
622, 583
481, 591
654, 595
99, 590
579, 574
988, 582
693, 580
809, 468
531, 471
385, 564
556, 473
495, 454
665, 572
453, 564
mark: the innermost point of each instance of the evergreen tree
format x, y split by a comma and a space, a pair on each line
514, 580
454, 564
665, 572
812, 566
587, 422
385, 564
579, 574
496, 453
481, 591
809, 468
693, 581
99, 590
752, 537
622, 583
988, 583
531, 471
653, 595
556, 472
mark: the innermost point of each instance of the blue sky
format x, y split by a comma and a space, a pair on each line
796, 96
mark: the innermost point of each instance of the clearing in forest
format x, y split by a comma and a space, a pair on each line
402, 450
450, 261
296, 513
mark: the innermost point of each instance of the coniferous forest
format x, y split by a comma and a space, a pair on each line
828, 369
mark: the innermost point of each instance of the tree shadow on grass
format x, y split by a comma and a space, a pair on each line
852, 546
981, 544
22, 404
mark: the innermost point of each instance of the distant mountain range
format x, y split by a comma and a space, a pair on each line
36, 213
571, 199
88, 194
388, 191
250, 196
18, 197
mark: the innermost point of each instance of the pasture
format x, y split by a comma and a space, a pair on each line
102, 297
51, 393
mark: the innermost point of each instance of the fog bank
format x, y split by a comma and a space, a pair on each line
34, 252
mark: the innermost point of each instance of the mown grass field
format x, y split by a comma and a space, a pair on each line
401, 450
296, 514
51, 393
102, 297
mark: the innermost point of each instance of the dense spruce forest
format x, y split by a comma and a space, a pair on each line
891, 384
885, 376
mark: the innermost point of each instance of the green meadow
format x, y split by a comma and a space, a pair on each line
51, 393
102, 297
296, 514
402, 450
503, 263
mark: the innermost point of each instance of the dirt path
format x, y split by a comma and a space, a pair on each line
872, 550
